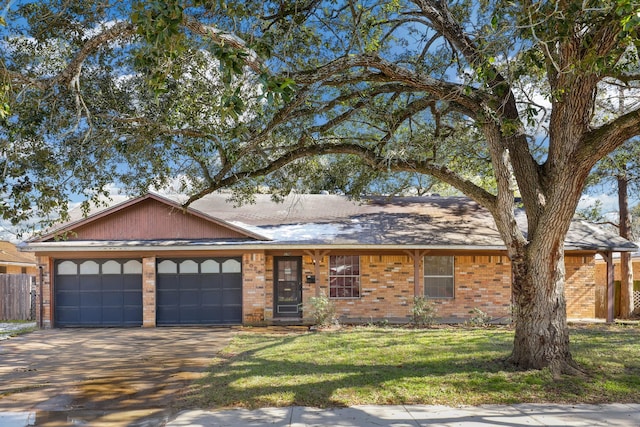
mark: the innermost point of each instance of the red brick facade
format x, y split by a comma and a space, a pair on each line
387, 287
149, 292
580, 287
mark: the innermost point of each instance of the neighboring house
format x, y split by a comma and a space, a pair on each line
14, 262
149, 262
601, 283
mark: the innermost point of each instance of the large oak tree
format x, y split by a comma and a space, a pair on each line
223, 93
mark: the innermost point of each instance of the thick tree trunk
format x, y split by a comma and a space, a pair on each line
541, 331
626, 270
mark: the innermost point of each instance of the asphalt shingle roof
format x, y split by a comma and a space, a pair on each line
425, 222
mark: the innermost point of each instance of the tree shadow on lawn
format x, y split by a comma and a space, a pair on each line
239, 380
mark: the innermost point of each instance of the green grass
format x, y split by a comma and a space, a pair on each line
16, 329
448, 366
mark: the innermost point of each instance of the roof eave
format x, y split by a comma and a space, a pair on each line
161, 246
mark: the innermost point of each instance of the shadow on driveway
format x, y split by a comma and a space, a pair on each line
103, 377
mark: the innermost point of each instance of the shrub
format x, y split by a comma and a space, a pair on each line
479, 318
423, 312
323, 311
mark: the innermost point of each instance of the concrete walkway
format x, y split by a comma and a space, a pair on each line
618, 415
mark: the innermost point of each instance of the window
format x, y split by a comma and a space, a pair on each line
438, 276
344, 276
3, 269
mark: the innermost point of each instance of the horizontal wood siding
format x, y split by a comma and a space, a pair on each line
152, 220
15, 297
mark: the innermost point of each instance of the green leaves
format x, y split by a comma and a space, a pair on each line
160, 25
277, 89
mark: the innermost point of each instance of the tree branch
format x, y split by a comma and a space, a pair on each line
471, 99
375, 161
251, 59
599, 142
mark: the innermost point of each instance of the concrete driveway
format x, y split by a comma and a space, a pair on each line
102, 377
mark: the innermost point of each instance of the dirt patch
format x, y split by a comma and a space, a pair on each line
102, 372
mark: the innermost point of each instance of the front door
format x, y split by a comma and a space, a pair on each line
287, 290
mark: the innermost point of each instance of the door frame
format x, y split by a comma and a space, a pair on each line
298, 305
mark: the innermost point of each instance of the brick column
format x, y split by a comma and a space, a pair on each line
254, 309
44, 274
149, 292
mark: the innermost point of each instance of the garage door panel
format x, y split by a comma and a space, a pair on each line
231, 298
131, 282
91, 316
132, 316
110, 299
165, 312
214, 317
189, 298
202, 292
90, 283
190, 314
232, 314
111, 313
112, 285
69, 315
212, 281
67, 283
189, 282
133, 299
91, 299
67, 299
211, 297
96, 293
168, 297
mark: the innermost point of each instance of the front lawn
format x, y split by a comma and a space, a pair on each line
449, 366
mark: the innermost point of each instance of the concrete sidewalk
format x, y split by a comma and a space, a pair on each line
619, 415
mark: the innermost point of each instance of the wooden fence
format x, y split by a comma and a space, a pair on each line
17, 297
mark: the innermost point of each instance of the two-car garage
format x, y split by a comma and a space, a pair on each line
108, 292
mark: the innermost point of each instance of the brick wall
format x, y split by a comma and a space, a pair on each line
43, 291
482, 282
149, 292
254, 289
580, 287
386, 288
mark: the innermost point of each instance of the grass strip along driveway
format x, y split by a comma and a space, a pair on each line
448, 366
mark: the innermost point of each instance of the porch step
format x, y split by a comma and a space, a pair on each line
288, 321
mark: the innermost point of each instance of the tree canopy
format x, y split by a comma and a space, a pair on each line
495, 98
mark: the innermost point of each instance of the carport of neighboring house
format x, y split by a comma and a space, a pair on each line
123, 286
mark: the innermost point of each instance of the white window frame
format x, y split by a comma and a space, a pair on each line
354, 276
439, 276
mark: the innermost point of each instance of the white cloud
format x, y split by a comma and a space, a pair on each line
609, 202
